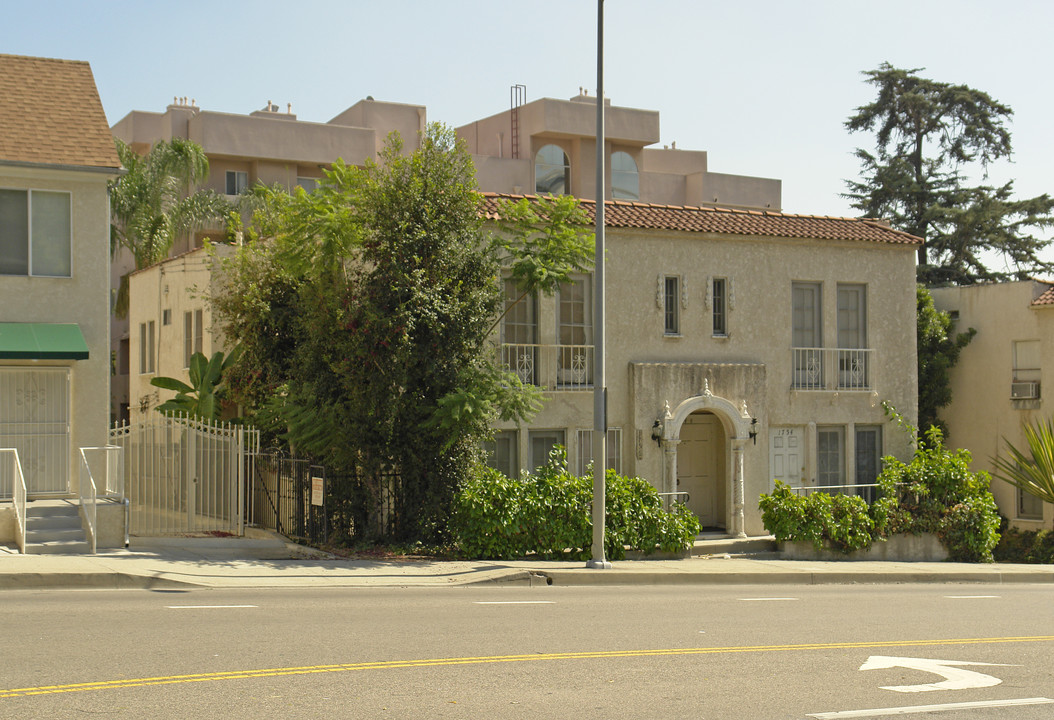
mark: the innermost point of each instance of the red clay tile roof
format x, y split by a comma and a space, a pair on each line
623, 214
50, 113
1046, 299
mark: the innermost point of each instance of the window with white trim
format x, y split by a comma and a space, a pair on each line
585, 451
237, 182
502, 453
542, 442
1029, 507
830, 456
574, 323
36, 233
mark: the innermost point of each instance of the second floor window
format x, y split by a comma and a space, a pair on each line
35, 233
720, 307
519, 332
574, 323
671, 305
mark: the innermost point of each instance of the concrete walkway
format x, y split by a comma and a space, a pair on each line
265, 560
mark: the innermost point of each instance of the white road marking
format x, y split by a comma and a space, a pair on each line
765, 599
955, 678
207, 607
515, 602
882, 712
971, 597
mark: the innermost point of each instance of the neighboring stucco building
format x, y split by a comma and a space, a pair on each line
268, 146
999, 383
56, 158
180, 324
549, 146
741, 346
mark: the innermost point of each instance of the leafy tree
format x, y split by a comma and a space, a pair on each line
152, 203
366, 316
1031, 472
926, 134
202, 398
938, 350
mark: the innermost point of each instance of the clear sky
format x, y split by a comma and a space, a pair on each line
763, 85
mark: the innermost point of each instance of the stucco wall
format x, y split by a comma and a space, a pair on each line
179, 285
82, 299
982, 413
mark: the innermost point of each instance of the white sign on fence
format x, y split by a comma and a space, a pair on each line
318, 491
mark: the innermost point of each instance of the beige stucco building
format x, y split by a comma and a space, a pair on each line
56, 158
741, 346
999, 382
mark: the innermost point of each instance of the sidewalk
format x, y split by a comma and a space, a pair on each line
265, 560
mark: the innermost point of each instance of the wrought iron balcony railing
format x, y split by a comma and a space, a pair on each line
832, 369
551, 367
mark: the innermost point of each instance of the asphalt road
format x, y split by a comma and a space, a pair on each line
747, 652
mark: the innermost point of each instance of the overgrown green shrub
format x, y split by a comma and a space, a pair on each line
548, 514
840, 522
1025, 546
935, 492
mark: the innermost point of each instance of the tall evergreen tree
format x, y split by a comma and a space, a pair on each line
927, 134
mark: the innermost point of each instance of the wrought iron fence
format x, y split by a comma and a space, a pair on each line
288, 495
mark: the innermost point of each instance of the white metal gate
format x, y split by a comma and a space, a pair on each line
185, 475
35, 420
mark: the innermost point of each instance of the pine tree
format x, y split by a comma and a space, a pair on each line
927, 135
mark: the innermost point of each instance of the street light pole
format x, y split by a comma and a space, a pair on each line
600, 420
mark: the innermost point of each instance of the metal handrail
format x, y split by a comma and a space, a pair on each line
18, 497
806, 489
89, 499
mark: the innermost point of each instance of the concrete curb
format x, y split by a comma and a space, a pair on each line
590, 578
90, 581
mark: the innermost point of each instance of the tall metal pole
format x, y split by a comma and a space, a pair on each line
600, 420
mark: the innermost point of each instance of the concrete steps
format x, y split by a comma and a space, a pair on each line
755, 548
54, 527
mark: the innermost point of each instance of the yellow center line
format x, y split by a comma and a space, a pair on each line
440, 662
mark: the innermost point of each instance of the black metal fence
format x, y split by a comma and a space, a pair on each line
288, 496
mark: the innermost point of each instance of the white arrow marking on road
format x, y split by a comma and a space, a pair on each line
955, 677
919, 709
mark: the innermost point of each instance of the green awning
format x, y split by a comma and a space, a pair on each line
42, 341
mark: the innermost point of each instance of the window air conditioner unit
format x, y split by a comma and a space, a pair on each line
1024, 390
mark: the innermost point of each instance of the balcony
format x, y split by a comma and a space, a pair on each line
832, 369
551, 367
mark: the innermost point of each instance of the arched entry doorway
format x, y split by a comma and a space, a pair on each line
728, 436
701, 468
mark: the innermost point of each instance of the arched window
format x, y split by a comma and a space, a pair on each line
625, 182
552, 171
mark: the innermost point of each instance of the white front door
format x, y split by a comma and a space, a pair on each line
35, 420
785, 454
699, 468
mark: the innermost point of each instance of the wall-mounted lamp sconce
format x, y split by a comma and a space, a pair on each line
656, 433
753, 434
